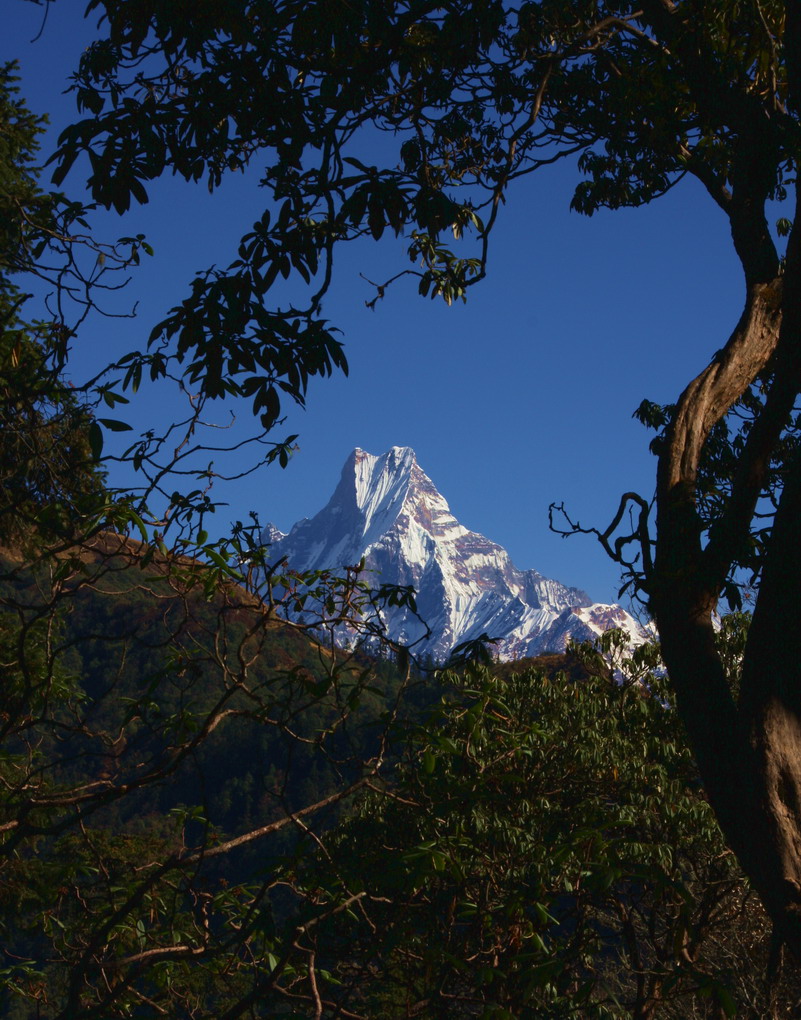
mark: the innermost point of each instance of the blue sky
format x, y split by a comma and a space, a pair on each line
521, 397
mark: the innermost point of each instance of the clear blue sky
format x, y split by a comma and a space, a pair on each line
520, 397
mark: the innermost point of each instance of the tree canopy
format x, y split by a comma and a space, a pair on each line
473, 97
468, 99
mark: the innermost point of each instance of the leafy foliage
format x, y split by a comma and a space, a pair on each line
166, 761
717, 471
542, 847
47, 473
543, 850
460, 102
137, 679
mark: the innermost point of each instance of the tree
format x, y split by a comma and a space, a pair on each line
477, 96
545, 849
135, 676
38, 412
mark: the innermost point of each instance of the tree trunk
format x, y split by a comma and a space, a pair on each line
770, 704
749, 754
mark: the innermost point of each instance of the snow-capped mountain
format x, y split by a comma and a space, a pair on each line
387, 510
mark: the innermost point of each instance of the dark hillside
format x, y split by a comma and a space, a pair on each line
159, 665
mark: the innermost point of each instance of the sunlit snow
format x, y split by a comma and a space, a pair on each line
387, 510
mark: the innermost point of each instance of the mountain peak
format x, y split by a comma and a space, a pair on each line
379, 481
387, 511
394, 455
373, 490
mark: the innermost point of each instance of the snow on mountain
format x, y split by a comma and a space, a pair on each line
388, 511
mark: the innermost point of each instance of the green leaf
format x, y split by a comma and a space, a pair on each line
95, 434
115, 426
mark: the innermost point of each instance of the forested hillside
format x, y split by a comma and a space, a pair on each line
207, 812
206, 809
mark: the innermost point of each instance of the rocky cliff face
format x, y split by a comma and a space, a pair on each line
388, 511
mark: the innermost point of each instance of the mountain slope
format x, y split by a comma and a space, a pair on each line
388, 511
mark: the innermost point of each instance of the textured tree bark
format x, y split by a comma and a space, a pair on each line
770, 704
749, 753
770, 717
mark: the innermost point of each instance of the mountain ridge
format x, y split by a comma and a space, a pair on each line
386, 510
